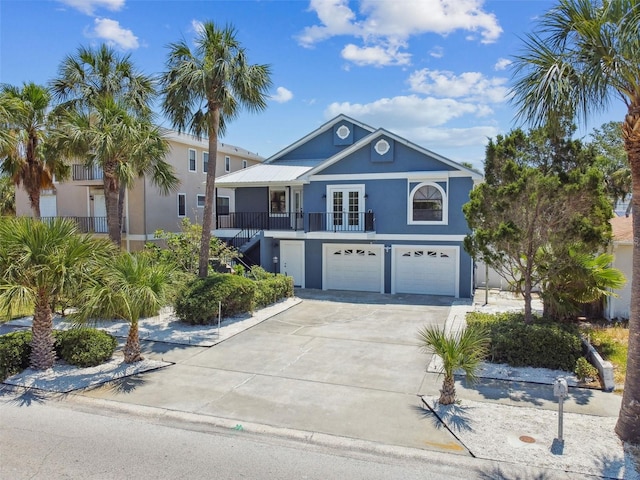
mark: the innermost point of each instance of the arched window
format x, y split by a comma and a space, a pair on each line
427, 203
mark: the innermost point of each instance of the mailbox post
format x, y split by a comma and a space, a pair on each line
560, 390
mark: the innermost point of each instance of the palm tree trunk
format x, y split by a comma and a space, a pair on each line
628, 425
207, 219
448, 391
112, 195
132, 352
43, 354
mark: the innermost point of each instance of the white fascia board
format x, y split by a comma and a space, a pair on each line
426, 175
321, 129
285, 234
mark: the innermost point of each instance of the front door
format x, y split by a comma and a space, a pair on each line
292, 260
344, 205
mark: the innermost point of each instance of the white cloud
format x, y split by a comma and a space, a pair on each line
437, 52
113, 33
502, 64
385, 26
89, 6
468, 85
406, 111
197, 26
378, 55
282, 95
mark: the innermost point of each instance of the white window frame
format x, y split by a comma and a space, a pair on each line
184, 195
204, 199
195, 160
286, 201
245, 164
445, 204
227, 163
360, 188
205, 154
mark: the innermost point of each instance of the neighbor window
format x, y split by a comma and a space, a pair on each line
200, 201
244, 164
427, 204
192, 160
182, 204
227, 164
222, 205
205, 161
278, 201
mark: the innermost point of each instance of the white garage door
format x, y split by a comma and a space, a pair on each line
425, 270
353, 267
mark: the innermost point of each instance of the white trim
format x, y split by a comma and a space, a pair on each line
330, 189
204, 199
302, 260
394, 249
378, 247
348, 236
418, 175
227, 163
178, 204
195, 160
445, 204
323, 128
286, 200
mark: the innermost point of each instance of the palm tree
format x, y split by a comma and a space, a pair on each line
40, 261
203, 90
583, 54
7, 196
126, 147
461, 351
25, 148
130, 287
107, 120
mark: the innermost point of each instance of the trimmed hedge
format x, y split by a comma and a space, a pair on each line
85, 347
15, 349
270, 290
198, 302
543, 344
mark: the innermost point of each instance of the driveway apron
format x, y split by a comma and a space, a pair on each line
339, 363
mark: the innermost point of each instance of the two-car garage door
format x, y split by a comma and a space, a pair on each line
426, 270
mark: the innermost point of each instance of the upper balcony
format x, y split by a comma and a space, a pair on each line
297, 221
81, 173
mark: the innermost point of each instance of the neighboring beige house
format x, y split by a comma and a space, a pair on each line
620, 306
146, 209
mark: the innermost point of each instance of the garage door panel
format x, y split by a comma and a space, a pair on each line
353, 267
425, 270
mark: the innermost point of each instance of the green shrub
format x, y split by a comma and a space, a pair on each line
271, 289
584, 370
259, 273
544, 344
15, 349
85, 347
198, 302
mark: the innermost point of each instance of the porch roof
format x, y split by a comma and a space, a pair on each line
262, 174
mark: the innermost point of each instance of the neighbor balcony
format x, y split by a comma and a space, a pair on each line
90, 224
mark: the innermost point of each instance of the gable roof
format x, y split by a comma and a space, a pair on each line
622, 229
382, 132
321, 129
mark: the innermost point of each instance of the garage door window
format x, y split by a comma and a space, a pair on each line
428, 204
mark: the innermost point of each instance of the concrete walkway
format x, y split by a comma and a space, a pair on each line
344, 368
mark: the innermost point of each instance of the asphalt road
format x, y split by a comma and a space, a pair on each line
56, 438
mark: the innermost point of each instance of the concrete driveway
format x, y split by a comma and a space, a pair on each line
338, 363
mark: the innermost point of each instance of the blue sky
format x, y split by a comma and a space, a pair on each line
433, 71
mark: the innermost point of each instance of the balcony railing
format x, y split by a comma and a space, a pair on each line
297, 221
80, 172
89, 224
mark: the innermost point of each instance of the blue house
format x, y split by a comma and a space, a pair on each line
350, 207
